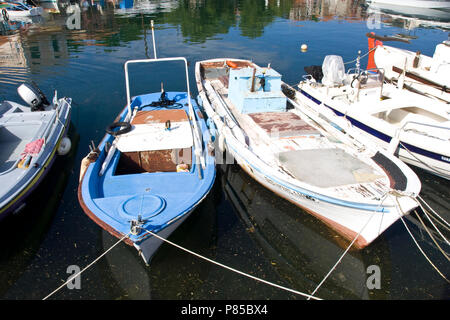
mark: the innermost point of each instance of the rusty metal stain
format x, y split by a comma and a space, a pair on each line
153, 161
159, 116
285, 123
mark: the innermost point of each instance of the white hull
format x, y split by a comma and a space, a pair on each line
149, 246
347, 221
416, 3
431, 70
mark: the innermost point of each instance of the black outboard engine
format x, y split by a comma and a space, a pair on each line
33, 96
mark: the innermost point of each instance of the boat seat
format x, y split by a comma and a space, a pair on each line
149, 132
150, 147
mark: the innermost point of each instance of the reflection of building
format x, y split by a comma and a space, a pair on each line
325, 10
11, 52
130, 7
29, 49
46, 48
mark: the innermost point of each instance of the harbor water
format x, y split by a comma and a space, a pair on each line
81, 51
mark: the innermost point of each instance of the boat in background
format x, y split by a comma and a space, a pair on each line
413, 126
431, 4
19, 10
30, 137
413, 70
152, 168
301, 157
50, 6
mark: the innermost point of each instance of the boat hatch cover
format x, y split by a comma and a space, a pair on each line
145, 205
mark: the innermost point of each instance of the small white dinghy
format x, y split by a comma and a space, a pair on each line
357, 190
30, 137
411, 125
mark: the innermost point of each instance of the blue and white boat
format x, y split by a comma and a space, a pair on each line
356, 189
147, 177
411, 125
30, 138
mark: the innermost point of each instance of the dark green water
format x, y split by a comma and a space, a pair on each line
240, 224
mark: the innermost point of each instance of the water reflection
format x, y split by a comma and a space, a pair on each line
300, 248
112, 23
412, 17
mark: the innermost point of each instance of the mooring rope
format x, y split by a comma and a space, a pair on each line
348, 248
232, 269
362, 55
433, 211
422, 162
89, 265
425, 212
431, 236
419, 247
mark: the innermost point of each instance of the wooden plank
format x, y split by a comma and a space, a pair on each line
159, 116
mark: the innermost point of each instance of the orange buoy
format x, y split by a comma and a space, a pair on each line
372, 44
232, 64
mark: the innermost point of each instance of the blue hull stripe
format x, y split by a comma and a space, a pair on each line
381, 135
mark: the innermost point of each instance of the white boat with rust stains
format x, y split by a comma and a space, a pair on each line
357, 190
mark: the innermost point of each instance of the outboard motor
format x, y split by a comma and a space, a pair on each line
33, 96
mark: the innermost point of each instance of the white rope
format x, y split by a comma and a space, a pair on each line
350, 245
431, 236
342, 256
423, 253
418, 246
429, 219
434, 212
89, 265
362, 55
232, 269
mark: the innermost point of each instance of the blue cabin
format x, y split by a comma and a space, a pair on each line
266, 95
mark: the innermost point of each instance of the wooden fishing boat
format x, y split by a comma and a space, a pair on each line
414, 70
347, 185
410, 125
147, 177
30, 137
